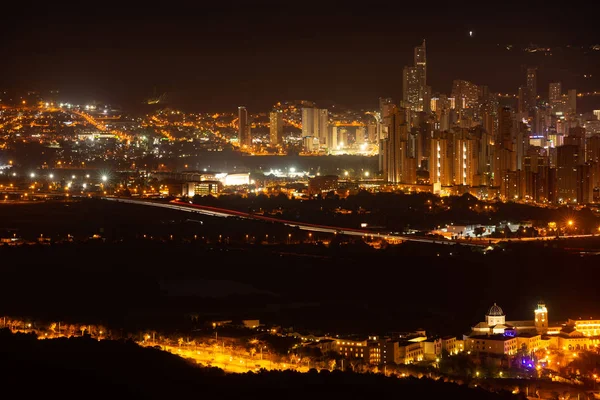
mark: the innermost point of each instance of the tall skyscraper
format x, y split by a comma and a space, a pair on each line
244, 136
572, 101
421, 66
532, 85
315, 124
414, 81
465, 93
398, 165
276, 127
524, 98
555, 94
410, 88
567, 160
505, 128
421, 63
466, 159
441, 159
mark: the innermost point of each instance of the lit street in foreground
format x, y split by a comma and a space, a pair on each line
229, 361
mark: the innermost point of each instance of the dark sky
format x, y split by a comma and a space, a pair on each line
216, 55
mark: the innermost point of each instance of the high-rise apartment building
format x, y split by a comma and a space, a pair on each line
244, 135
505, 129
441, 159
466, 159
567, 160
465, 93
532, 85
410, 88
572, 101
421, 63
315, 124
415, 91
399, 166
276, 127
555, 94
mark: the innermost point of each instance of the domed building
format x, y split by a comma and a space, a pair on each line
498, 336
495, 323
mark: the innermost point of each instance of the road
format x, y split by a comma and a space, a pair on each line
228, 361
225, 213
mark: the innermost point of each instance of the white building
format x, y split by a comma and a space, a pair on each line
315, 123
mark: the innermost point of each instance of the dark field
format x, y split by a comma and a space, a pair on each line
134, 283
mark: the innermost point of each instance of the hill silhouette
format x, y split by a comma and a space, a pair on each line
91, 369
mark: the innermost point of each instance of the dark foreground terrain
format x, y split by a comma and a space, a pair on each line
132, 283
82, 367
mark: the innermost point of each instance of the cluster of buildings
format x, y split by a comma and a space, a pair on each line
193, 183
495, 338
540, 151
524, 147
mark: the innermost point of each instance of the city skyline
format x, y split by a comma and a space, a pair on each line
340, 55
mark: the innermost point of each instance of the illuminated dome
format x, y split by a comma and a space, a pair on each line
495, 311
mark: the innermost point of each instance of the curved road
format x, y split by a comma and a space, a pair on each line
225, 213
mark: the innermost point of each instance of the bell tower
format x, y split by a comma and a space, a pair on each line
541, 318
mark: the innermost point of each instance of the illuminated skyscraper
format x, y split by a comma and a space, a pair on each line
414, 81
532, 85
572, 101
276, 127
567, 160
421, 63
399, 166
244, 136
315, 124
555, 94
441, 159
505, 128
465, 93
410, 88
466, 159
524, 104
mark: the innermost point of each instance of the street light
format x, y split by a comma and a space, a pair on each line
104, 178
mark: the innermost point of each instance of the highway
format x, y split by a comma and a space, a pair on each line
225, 213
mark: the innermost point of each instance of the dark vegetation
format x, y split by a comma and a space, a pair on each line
134, 283
398, 212
91, 369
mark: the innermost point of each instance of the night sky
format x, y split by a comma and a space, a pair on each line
215, 57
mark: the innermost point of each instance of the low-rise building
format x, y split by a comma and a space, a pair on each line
432, 348
492, 344
203, 188
403, 352
588, 327
321, 184
530, 341
449, 344
352, 348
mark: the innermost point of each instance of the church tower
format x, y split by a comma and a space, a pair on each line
541, 318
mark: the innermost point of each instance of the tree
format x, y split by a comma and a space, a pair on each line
331, 364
